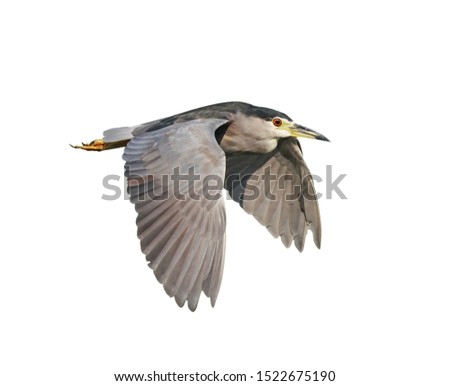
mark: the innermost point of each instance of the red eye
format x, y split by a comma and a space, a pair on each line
277, 122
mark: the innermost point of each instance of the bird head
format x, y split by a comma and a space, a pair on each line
275, 122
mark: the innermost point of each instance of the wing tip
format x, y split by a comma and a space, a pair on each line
286, 239
317, 239
192, 306
299, 243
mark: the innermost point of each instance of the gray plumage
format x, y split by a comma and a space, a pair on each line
182, 231
183, 239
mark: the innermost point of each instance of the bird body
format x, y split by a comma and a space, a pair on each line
176, 169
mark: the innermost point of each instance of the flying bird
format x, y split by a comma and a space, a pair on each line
177, 168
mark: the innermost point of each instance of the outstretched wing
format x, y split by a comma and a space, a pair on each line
278, 190
175, 179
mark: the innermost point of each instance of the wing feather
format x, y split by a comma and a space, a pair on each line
287, 206
179, 235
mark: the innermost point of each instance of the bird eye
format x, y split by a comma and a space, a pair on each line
277, 122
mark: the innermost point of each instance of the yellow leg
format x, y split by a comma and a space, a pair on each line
99, 145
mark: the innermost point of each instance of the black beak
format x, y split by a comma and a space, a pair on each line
302, 131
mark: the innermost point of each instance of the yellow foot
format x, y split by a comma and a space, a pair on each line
96, 145
99, 145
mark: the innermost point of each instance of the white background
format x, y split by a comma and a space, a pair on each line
79, 304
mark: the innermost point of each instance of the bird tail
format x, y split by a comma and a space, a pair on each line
118, 134
112, 139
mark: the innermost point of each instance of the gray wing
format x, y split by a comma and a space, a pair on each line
278, 190
181, 225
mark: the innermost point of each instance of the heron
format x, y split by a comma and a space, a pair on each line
177, 168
